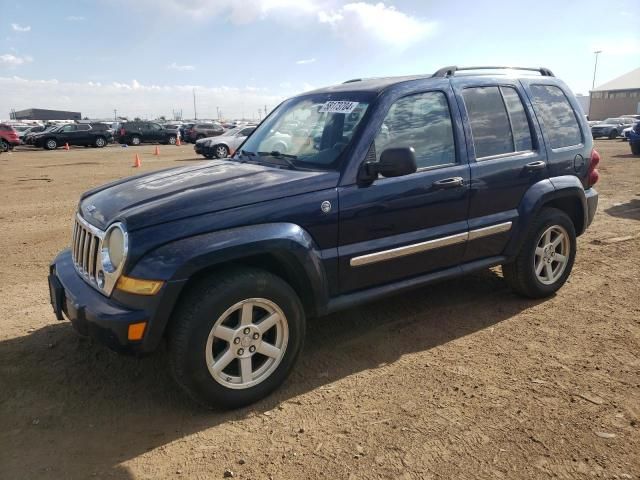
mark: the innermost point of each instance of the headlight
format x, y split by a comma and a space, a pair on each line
114, 247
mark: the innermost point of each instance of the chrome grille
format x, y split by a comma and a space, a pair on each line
85, 247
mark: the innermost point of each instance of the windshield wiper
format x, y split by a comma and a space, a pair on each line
281, 156
247, 153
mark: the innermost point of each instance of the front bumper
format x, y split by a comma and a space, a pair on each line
108, 319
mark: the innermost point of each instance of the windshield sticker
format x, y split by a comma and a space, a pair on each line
338, 106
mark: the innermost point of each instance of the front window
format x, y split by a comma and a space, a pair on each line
613, 121
310, 131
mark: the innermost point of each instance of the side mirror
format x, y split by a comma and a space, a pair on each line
396, 162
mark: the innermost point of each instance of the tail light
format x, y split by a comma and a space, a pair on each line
594, 174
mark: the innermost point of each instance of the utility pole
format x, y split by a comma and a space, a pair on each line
195, 113
218, 113
115, 115
595, 67
259, 114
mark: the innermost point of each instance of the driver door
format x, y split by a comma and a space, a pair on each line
406, 226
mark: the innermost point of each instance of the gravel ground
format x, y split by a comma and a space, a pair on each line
459, 380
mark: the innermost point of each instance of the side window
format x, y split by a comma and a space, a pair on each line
69, 128
83, 128
558, 118
489, 121
518, 118
421, 121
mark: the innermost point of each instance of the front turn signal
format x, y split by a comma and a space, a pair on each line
138, 286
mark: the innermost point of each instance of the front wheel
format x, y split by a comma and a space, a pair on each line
221, 151
51, 144
546, 257
135, 140
4, 146
100, 142
613, 135
235, 337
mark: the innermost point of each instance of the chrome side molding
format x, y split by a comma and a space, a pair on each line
429, 245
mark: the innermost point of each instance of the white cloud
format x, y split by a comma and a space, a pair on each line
75, 18
11, 61
306, 61
355, 23
20, 28
379, 22
181, 68
132, 98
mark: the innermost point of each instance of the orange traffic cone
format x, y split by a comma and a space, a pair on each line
66, 146
157, 152
137, 163
178, 143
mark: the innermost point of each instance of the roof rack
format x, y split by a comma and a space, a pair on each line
450, 71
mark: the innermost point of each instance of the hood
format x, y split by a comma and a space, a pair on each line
169, 195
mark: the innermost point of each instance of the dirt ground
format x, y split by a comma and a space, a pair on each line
458, 380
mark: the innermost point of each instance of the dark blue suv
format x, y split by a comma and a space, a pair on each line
342, 195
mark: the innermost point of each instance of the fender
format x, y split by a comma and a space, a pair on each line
540, 194
289, 243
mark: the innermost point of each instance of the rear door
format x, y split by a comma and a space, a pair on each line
406, 226
82, 135
506, 157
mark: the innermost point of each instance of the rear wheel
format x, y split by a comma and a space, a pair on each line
235, 337
613, 135
100, 142
4, 146
135, 140
546, 257
51, 144
221, 151
172, 140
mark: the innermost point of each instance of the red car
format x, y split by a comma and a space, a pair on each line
8, 137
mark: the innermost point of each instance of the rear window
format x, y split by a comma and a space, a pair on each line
558, 117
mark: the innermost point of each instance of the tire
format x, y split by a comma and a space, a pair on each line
613, 134
50, 144
221, 151
172, 140
4, 146
521, 273
100, 142
135, 140
194, 350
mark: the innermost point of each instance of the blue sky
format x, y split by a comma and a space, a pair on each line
145, 57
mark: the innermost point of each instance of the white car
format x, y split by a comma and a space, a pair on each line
222, 145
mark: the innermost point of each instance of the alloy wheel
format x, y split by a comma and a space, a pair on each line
552, 254
247, 343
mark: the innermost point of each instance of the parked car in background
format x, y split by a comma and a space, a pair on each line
611, 127
174, 126
223, 145
31, 130
8, 137
30, 137
185, 131
80, 134
203, 130
627, 131
135, 133
225, 263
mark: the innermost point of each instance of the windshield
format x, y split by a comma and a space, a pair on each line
312, 131
231, 132
613, 120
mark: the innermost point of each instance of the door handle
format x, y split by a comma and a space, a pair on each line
538, 165
445, 183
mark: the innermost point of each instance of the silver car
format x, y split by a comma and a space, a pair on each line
223, 145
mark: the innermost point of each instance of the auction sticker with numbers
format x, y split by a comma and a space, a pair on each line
338, 106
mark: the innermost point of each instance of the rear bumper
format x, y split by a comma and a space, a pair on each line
108, 319
591, 196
